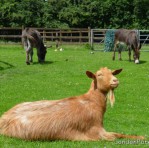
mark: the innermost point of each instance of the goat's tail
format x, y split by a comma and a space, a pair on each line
118, 135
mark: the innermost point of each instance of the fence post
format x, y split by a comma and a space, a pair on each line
21, 35
91, 39
89, 35
80, 34
60, 36
44, 39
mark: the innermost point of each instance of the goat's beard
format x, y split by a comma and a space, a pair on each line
111, 97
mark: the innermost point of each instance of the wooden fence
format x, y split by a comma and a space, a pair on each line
64, 36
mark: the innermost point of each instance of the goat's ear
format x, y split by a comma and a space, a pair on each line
90, 74
115, 72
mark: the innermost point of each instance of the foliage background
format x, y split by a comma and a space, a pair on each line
75, 13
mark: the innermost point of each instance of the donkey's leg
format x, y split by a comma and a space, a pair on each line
119, 54
27, 58
31, 55
28, 50
136, 56
38, 55
114, 51
129, 53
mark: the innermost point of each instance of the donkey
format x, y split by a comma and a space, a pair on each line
130, 38
31, 38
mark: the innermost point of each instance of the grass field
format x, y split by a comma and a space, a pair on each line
63, 75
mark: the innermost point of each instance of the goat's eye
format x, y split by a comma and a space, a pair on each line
100, 74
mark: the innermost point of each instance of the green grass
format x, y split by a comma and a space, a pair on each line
63, 75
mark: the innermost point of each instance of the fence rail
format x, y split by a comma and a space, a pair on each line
66, 36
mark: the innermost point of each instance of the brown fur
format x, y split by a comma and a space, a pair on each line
76, 118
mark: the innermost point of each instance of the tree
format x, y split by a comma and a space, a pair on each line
75, 13
141, 13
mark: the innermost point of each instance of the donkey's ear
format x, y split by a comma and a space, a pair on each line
90, 74
115, 72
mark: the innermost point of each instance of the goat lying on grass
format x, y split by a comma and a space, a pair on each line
75, 118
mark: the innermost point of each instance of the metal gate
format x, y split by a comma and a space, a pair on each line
97, 39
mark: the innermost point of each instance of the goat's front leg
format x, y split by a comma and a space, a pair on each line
83, 137
103, 135
99, 133
110, 136
118, 135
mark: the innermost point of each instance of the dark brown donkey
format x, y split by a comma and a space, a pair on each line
130, 38
31, 38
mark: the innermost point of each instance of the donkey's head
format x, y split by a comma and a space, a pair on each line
136, 54
42, 53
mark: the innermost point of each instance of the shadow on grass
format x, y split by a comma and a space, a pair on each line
44, 63
141, 62
6, 65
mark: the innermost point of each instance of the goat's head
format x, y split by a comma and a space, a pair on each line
105, 81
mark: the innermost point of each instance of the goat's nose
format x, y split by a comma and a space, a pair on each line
115, 80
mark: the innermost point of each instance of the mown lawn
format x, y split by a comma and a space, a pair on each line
63, 75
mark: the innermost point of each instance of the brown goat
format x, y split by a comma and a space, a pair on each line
76, 118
